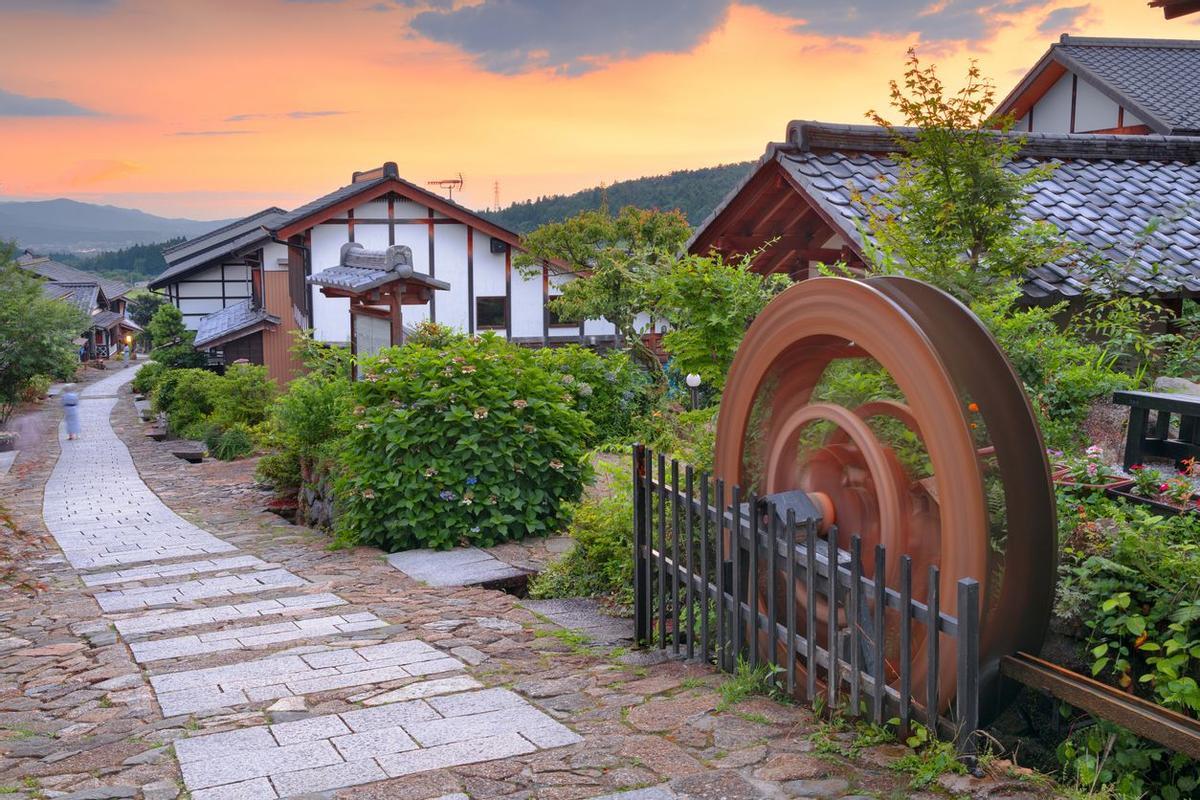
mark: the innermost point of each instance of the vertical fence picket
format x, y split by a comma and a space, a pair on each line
877, 634
690, 543
752, 593
968, 666
810, 611
662, 551
722, 608
675, 615
704, 592
735, 534
790, 538
932, 643
905, 645
639, 551
648, 542
833, 674
854, 619
772, 631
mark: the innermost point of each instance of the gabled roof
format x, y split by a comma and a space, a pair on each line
107, 319
377, 183
1157, 80
227, 240
360, 270
1103, 193
57, 272
1176, 8
230, 323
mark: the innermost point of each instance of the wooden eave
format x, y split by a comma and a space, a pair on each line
411, 294
408, 192
1044, 74
261, 325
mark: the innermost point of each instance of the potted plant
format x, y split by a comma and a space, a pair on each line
1090, 472
8, 441
1150, 486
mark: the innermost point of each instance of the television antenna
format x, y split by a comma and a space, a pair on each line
449, 184
496, 194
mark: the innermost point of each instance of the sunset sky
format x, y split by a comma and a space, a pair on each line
216, 108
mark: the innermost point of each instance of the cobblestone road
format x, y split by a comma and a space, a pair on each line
190, 644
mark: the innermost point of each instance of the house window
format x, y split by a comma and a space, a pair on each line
491, 312
555, 320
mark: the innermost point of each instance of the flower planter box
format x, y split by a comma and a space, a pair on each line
1116, 483
1159, 505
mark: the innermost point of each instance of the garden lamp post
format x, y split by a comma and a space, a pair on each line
128, 347
693, 382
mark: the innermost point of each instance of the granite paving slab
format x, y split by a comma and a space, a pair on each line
252, 636
223, 586
463, 566
162, 620
586, 616
154, 571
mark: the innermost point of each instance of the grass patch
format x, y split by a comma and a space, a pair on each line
749, 682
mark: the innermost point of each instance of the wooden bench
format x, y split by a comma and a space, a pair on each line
1142, 441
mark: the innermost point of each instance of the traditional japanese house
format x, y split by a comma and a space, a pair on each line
1098, 85
261, 266
102, 300
808, 194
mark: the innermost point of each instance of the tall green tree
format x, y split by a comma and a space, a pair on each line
615, 260
953, 217
143, 304
36, 333
172, 340
709, 303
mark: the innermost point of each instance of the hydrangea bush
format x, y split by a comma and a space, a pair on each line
468, 443
610, 389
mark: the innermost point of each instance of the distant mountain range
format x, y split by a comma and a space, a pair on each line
69, 226
72, 226
695, 192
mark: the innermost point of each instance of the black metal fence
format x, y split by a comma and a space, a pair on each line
700, 592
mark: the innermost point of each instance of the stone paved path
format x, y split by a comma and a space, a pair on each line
340, 677
102, 514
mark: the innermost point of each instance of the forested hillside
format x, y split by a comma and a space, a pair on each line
695, 192
131, 265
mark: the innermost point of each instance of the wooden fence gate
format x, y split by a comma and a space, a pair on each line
724, 578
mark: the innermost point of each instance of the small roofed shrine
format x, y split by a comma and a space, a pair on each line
378, 284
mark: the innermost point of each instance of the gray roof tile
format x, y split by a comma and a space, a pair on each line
360, 270
227, 240
1102, 204
230, 320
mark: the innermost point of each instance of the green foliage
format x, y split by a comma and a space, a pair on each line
189, 397
748, 681
709, 304
954, 216
172, 340
35, 388
433, 334
142, 304
615, 259
690, 436
148, 377
1130, 582
36, 334
694, 192
233, 443
280, 471
600, 563
244, 396
471, 443
610, 389
929, 760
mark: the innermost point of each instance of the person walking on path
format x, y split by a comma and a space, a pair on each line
70, 401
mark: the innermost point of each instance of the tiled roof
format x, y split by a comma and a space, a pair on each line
1158, 77
1103, 193
57, 272
81, 295
230, 320
107, 319
360, 270
195, 253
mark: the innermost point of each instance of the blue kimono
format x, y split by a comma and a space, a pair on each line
70, 401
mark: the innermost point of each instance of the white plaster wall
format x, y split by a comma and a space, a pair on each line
273, 253
375, 209
1052, 114
450, 260
1093, 109
331, 315
489, 275
526, 305
371, 236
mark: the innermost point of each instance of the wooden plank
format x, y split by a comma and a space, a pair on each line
752, 593
967, 703
704, 568
932, 645
790, 530
675, 526
690, 544
722, 645
662, 551
905, 645
1168, 728
640, 585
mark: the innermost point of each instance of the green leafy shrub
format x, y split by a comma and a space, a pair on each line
610, 389
188, 396
601, 563
433, 334
244, 396
172, 340
280, 471
35, 388
690, 436
148, 377
233, 443
472, 443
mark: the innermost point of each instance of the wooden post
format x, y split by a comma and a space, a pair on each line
397, 315
641, 571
